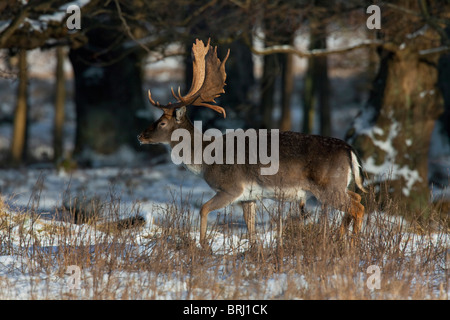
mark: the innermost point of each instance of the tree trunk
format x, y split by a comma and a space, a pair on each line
393, 133
444, 85
20, 114
240, 79
309, 97
316, 83
270, 71
323, 92
60, 96
287, 87
108, 95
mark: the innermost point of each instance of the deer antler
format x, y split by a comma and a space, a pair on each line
156, 104
208, 80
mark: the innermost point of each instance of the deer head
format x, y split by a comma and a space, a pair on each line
207, 84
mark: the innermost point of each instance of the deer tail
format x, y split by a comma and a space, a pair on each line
357, 171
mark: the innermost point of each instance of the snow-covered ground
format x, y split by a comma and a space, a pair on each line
147, 192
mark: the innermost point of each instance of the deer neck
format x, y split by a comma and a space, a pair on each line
186, 147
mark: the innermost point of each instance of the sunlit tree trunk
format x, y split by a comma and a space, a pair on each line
60, 96
308, 98
323, 92
393, 132
20, 114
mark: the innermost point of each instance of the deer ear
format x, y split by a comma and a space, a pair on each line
179, 113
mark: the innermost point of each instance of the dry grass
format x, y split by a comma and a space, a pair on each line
122, 260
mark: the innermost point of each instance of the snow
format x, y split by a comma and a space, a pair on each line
389, 170
4, 25
419, 32
363, 126
426, 92
94, 74
392, 171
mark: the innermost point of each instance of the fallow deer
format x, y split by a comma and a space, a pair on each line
308, 164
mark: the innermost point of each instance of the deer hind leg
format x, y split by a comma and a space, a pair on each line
356, 211
356, 197
345, 223
221, 199
302, 210
249, 209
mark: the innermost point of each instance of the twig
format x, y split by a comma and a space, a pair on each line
431, 21
199, 11
127, 28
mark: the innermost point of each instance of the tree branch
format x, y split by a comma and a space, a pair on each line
432, 23
127, 28
198, 12
15, 23
438, 50
315, 52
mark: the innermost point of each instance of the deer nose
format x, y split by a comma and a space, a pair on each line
143, 138
140, 137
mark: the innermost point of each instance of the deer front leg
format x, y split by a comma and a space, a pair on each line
249, 210
220, 200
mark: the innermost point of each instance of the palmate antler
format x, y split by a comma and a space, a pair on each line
208, 80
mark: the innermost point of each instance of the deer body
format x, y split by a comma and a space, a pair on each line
307, 164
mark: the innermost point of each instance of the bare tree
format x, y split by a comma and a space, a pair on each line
267, 89
60, 97
393, 132
316, 80
287, 88
108, 85
20, 114
280, 21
